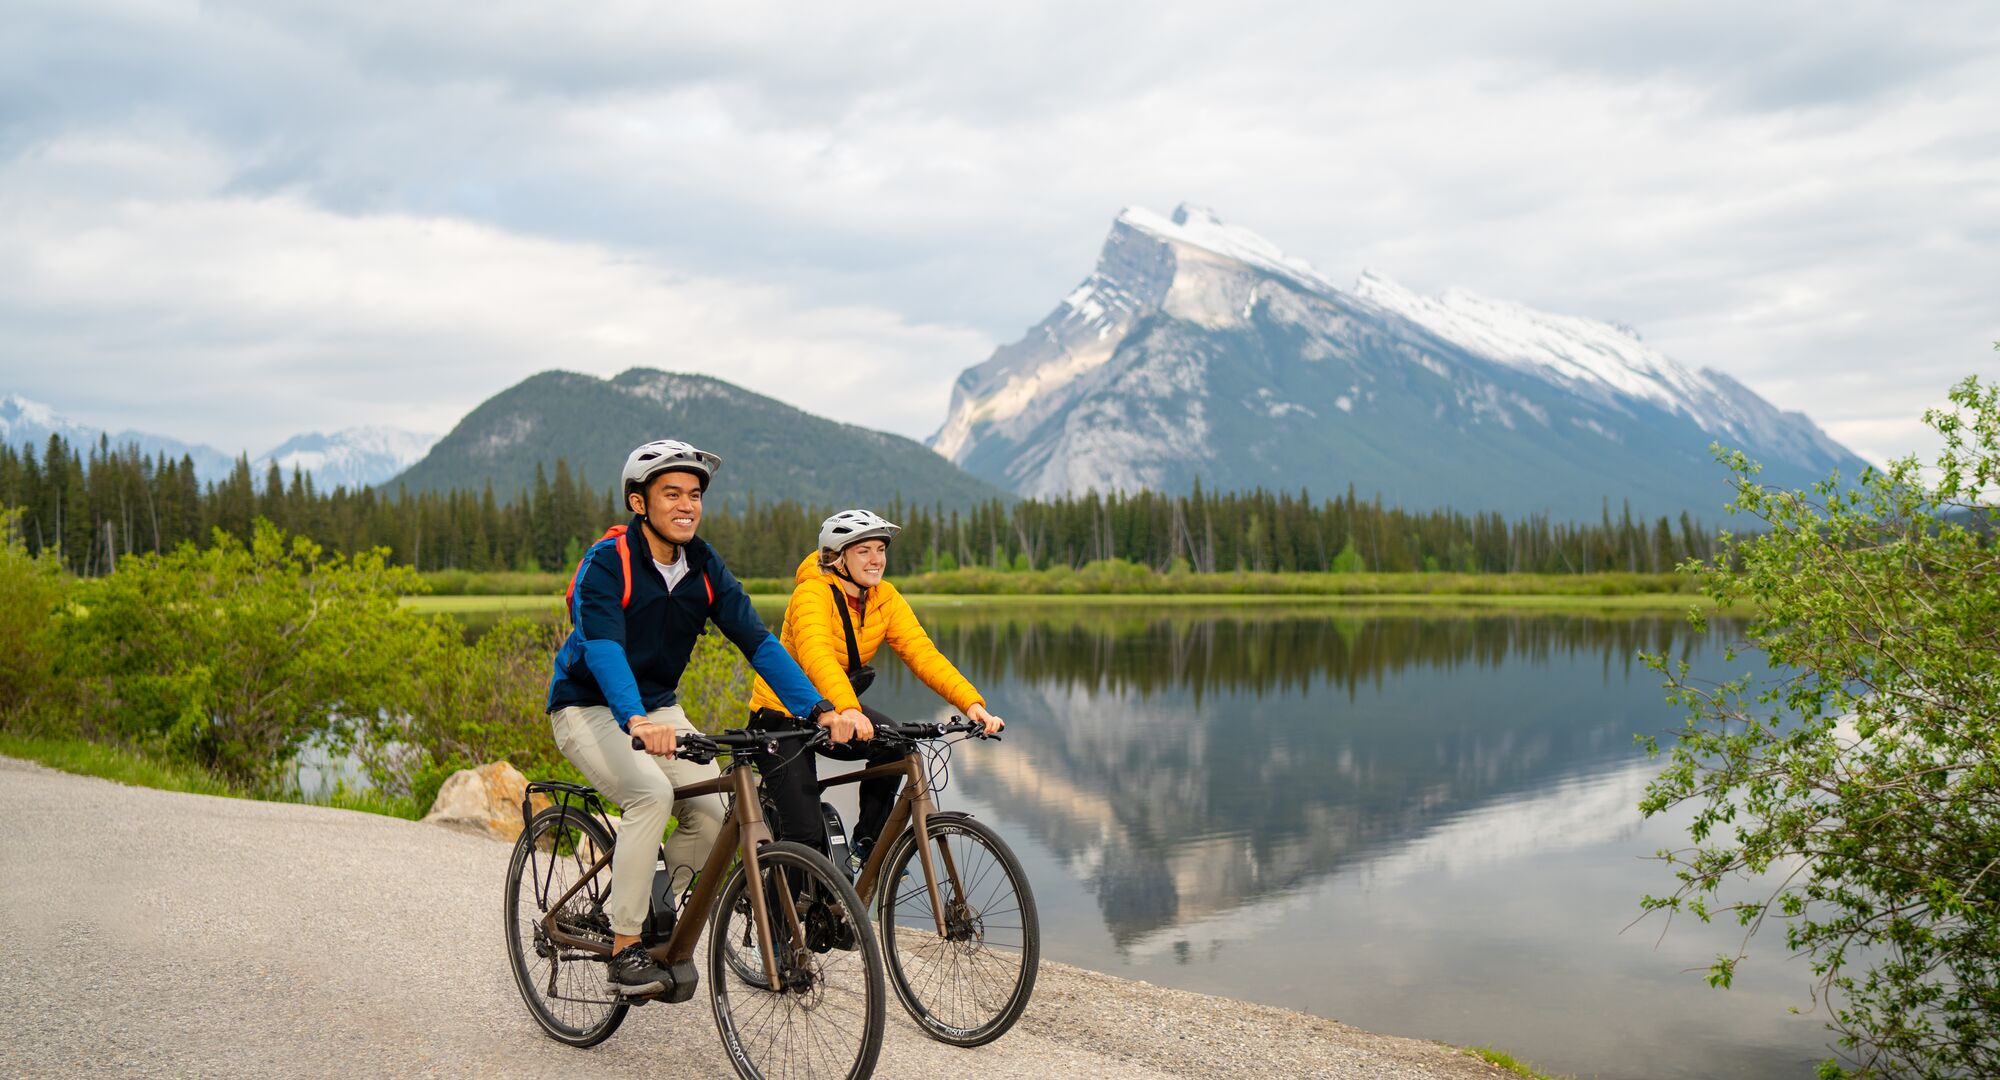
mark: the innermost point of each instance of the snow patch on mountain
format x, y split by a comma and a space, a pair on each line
1197, 226
1594, 358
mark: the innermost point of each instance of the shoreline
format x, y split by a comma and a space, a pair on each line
1668, 603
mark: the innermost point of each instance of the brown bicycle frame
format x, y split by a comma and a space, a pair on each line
913, 810
743, 832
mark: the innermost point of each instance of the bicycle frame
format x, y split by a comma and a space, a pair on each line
913, 810
743, 832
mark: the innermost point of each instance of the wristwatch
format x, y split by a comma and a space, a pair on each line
820, 708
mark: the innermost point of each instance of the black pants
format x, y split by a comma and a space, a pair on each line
793, 785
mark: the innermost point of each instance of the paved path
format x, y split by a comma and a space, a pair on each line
152, 933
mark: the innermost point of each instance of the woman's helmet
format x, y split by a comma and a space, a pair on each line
850, 527
668, 455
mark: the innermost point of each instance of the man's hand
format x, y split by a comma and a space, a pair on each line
659, 738
978, 715
846, 724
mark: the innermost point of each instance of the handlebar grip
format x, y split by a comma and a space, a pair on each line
638, 743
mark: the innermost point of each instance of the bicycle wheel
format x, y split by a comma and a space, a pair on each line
824, 1019
565, 988
967, 987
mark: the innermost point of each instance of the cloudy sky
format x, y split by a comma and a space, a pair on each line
231, 222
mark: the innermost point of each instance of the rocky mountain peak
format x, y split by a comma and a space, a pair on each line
1198, 348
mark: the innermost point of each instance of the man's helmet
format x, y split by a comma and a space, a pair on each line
850, 527
668, 455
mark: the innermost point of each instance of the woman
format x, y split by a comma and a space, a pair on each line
841, 611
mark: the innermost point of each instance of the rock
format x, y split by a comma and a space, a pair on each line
485, 801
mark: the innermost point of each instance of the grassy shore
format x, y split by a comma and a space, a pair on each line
1126, 583
1437, 603
74, 754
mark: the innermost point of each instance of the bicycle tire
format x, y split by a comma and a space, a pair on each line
969, 987
572, 1015
810, 1022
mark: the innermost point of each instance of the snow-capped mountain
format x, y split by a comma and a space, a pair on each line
354, 457
30, 423
1198, 349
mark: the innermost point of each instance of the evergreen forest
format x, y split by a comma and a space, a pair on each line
96, 504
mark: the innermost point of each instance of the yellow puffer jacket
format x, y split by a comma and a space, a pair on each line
813, 636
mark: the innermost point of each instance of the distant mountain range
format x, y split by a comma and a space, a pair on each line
353, 458
1200, 350
1196, 351
770, 450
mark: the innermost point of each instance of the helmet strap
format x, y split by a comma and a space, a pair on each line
839, 570
673, 549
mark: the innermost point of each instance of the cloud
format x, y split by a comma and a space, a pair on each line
1798, 197
178, 310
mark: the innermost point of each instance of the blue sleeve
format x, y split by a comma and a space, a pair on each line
607, 664
598, 609
740, 623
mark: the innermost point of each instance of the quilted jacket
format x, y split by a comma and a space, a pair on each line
812, 634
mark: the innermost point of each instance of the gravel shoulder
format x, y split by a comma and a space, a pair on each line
154, 933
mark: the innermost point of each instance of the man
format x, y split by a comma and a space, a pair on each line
841, 611
638, 600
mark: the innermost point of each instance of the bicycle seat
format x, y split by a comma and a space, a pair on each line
561, 785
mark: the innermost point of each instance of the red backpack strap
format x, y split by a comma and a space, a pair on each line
710, 586
624, 563
615, 533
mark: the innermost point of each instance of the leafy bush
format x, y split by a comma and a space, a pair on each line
32, 590
233, 657
1864, 774
715, 690
468, 705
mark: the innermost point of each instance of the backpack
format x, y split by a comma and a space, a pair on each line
617, 533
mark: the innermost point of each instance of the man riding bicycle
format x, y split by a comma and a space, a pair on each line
636, 609
841, 611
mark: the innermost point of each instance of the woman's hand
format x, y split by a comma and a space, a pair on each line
659, 738
987, 720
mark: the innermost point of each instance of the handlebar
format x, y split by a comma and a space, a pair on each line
957, 725
702, 749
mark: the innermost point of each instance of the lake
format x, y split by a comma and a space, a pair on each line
1414, 823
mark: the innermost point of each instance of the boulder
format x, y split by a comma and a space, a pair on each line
485, 801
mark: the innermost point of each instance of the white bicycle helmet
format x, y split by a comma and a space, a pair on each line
850, 527
667, 455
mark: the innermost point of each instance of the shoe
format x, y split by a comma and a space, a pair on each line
633, 972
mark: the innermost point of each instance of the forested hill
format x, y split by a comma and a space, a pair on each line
770, 450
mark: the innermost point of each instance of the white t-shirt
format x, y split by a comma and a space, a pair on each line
673, 571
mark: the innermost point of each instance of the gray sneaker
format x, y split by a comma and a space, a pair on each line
632, 972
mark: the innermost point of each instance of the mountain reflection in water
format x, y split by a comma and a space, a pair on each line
1182, 766
1417, 822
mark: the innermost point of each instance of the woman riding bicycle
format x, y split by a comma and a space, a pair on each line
841, 611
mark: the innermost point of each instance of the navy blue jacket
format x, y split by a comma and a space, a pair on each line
631, 656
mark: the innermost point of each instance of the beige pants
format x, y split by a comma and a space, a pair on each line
643, 786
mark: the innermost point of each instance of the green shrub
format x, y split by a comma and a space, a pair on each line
715, 690
468, 705
233, 657
1863, 774
33, 698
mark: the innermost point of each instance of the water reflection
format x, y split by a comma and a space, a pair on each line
1423, 824
1185, 766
